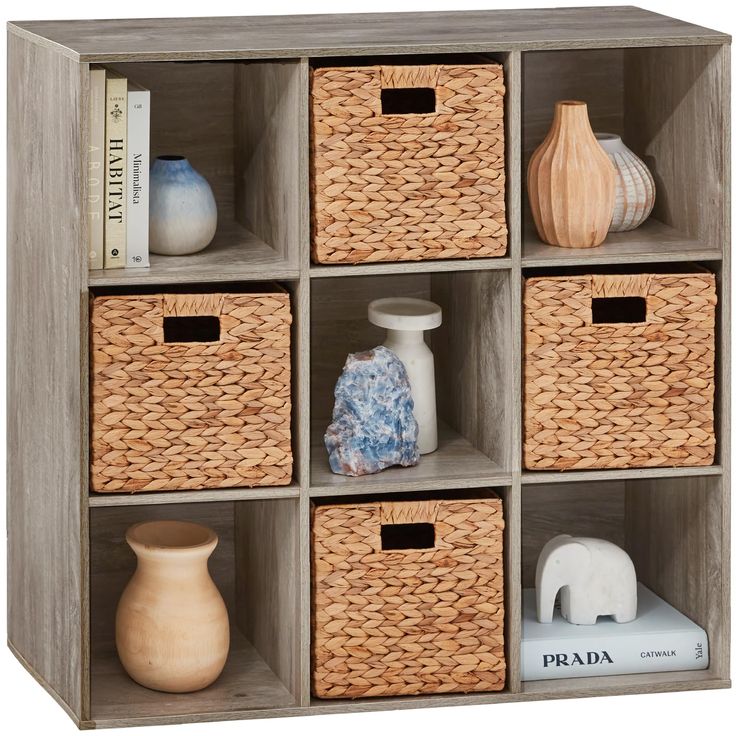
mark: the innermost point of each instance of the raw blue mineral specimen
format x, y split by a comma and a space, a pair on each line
373, 425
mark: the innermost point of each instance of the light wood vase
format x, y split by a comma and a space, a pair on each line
571, 181
172, 630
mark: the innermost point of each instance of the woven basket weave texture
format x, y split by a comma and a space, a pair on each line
619, 395
407, 621
407, 186
188, 415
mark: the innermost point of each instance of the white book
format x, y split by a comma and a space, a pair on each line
660, 639
139, 137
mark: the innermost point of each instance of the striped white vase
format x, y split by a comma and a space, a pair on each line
634, 184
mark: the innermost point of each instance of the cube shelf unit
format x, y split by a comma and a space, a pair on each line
233, 94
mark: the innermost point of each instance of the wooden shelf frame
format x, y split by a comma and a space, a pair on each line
253, 75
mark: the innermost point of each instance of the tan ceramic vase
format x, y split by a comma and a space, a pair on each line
571, 181
171, 629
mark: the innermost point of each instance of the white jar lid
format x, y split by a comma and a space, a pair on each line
404, 313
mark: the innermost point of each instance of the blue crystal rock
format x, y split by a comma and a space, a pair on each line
373, 425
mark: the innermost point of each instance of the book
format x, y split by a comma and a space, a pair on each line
139, 135
96, 168
660, 639
116, 129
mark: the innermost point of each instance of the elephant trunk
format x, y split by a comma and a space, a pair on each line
546, 593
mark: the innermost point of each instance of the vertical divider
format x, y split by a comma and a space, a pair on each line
723, 361
84, 362
303, 432
513, 506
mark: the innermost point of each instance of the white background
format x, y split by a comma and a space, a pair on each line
25, 706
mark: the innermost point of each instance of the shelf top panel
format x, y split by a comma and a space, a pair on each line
162, 39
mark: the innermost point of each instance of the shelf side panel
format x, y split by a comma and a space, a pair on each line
269, 118
267, 584
675, 119
46, 369
674, 534
473, 359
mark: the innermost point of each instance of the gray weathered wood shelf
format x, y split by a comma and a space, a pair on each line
659, 82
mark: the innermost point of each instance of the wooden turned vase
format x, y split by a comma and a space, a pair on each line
171, 628
571, 181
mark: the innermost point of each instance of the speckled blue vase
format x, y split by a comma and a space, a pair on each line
183, 213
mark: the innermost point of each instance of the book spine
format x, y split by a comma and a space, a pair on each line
139, 126
116, 125
96, 169
665, 652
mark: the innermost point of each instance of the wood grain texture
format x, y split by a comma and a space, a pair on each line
246, 682
158, 498
575, 476
269, 116
626, 685
192, 115
235, 254
512, 63
675, 536
580, 509
512, 572
267, 584
456, 463
651, 242
332, 35
399, 267
592, 75
628, 89
339, 325
724, 363
669, 94
474, 359
46, 487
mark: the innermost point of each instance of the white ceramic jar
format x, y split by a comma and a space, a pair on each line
635, 190
405, 320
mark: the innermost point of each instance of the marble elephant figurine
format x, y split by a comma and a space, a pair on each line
594, 578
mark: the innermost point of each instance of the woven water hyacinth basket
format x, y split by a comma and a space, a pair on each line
407, 163
407, 598
619, 371
190, 391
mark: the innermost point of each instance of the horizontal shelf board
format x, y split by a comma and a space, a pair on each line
398, 267
573, 476
246, 683
629, 684
235, 254
653, 241
153, 498
318, 35
652, 682
455, 464
339, 705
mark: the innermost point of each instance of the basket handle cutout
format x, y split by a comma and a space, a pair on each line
619, 309
192, 329
408, 101
407, 536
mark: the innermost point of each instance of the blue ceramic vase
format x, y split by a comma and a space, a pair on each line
183, 213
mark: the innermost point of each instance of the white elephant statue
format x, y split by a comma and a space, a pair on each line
594, 578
